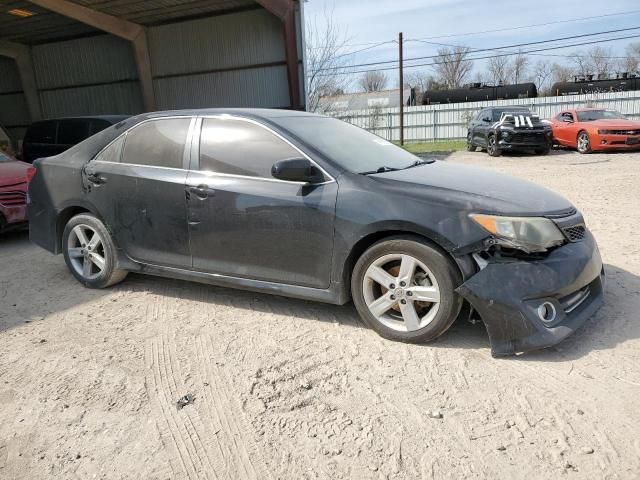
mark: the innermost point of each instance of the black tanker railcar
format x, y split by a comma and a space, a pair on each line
479, 92
587, 85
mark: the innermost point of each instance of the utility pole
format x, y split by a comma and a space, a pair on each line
401, 91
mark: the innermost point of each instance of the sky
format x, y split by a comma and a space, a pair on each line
367, 22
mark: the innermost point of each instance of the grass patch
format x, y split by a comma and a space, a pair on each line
430, 147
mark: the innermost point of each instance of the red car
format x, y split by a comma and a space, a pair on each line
14, 179
595, 129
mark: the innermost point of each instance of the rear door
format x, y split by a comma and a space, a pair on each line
245, 223
138, 186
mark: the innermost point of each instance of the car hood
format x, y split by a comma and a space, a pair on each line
476, 189
12, 173
615, 124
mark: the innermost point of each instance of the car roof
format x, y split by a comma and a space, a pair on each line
110, 118
251, 112
510, 108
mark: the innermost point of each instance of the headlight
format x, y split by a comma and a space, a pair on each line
529, 234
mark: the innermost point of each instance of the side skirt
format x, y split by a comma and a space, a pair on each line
336, 294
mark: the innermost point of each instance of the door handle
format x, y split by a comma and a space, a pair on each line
202, 191
96, 178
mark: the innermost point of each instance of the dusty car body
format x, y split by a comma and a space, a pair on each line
508, 129
14, 178
594, 130
332, 224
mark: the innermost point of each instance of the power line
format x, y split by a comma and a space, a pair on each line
571, 37
490, 56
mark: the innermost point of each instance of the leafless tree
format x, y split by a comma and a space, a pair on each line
542, 74
497, 69
631, 63
601, 60
373, 81
326, 60
452, 66
518, 67
422, 81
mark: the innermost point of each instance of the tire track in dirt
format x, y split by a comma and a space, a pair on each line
245, 459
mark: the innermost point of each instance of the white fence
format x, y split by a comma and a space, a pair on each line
448, 122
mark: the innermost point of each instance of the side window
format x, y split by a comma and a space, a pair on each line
113, 152
71, 132
241, 148
158, 143
98, 125
43, 132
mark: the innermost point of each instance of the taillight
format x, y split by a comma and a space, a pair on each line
31, 171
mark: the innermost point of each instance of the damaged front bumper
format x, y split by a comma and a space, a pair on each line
527, 305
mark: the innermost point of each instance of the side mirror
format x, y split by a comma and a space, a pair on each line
567, 120
297, 170
486, 119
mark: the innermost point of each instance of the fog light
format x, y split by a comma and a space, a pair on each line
603, 142
505, 134
547, 312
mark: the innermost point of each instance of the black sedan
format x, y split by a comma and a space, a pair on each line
307, 206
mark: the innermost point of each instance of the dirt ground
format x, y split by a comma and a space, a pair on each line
289, 389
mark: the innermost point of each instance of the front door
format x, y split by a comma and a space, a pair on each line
138, 186
564, 132
243, 222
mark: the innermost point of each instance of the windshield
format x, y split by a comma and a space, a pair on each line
591, 115
497, 114
352, 148
4, 158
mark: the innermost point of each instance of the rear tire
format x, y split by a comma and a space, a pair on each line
404, 289
492, 146
583, 143
90, 253
470, 146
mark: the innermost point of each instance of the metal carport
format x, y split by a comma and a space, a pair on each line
87, 57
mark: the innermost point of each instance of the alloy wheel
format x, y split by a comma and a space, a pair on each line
583, 142
401, 292
85, 248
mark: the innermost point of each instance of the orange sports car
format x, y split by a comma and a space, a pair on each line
595, 129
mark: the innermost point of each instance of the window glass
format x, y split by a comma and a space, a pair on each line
241, 148
98, 125
349, 146
158, 143
42, 132
592, 115
72, 132
112, 152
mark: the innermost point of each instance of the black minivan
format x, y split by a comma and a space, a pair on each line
51, 137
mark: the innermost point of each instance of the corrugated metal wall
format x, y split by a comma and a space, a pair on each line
446, 122
14, 115
228, 60
87, 76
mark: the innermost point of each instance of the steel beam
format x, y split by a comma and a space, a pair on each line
22, 56
119, 27
285, 11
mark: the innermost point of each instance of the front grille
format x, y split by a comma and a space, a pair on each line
527, 137
622, 132
575, 233
13, 199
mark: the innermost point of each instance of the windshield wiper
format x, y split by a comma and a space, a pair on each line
417, 163
382, 169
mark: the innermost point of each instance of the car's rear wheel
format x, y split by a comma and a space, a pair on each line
584, 143
492, 146
470, 146
90, 253
404, 289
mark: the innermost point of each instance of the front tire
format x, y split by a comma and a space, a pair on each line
492, 146
90, 253
584, 143
404, 289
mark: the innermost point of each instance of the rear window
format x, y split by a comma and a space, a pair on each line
71, 132
42, 132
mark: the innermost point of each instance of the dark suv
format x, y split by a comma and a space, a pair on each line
499, 129
51, 137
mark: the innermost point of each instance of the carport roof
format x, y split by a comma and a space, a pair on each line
46, 26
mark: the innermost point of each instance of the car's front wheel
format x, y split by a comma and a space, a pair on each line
404, 289
584, 143
492, 146
90, 253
